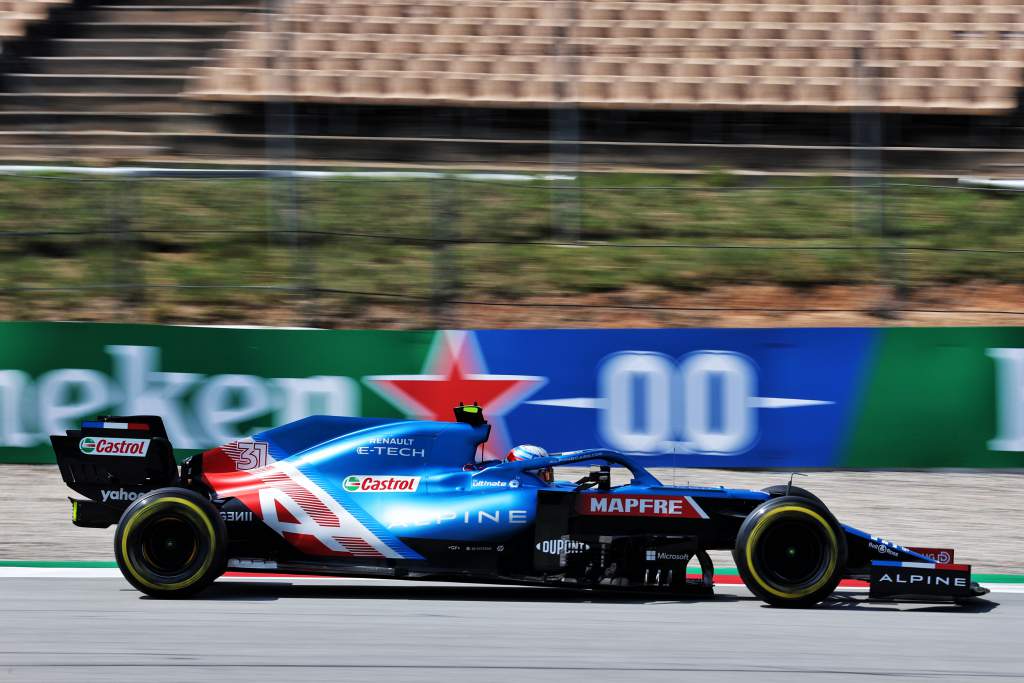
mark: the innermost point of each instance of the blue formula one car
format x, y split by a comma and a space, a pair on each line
408, 500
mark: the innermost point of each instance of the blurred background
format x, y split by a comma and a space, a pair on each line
473, 164
497, 163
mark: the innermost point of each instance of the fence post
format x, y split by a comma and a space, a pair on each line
565, 136
281, 160
444, 232
303, 259
869, 175
125, 277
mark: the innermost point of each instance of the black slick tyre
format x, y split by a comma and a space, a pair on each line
779, 490
790, 552
171, 543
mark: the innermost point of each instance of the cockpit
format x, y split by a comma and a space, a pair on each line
533, 464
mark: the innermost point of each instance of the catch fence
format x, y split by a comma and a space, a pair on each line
423, 249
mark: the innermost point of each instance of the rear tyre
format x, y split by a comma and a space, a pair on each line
790, 552
171, 543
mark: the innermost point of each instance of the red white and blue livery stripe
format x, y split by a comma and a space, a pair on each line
135, 426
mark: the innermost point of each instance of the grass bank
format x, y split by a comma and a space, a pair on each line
204, 249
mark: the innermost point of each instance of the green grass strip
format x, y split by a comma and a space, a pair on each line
998, 578
60, 564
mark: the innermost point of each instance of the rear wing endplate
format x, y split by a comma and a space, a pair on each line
114, 459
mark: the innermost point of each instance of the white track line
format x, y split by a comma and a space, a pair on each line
58, 573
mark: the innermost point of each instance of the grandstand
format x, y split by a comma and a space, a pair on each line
91, 81
732, 54
458, 80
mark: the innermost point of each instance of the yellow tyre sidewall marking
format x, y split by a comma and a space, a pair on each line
759, 529
148, 511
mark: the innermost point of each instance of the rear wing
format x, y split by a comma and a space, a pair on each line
112, 460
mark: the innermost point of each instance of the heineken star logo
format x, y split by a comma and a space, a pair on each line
455, 371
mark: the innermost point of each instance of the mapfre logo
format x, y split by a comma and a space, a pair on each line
367, 483
99, 445
613, 505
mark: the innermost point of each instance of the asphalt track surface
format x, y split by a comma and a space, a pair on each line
100, 629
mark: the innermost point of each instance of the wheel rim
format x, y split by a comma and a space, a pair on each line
793, 553
168, 548
169, 545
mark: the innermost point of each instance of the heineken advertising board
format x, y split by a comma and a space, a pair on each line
776, 398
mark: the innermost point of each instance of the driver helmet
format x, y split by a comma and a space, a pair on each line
529, 452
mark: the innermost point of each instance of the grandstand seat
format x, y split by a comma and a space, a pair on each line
412, 86
677, 92
456, 88
502, 89
770, 92
540, 90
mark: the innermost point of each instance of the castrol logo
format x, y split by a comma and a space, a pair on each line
99, 445
368, 483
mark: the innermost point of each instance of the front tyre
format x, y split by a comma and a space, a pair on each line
779, 490
790, 552
171, 543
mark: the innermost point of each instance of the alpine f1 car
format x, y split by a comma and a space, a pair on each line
407, 499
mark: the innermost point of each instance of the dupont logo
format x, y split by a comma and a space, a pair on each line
368, 483
557, 546
99, 445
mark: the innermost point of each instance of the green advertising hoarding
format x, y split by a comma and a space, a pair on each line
772, 398
941, 397
209, 384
